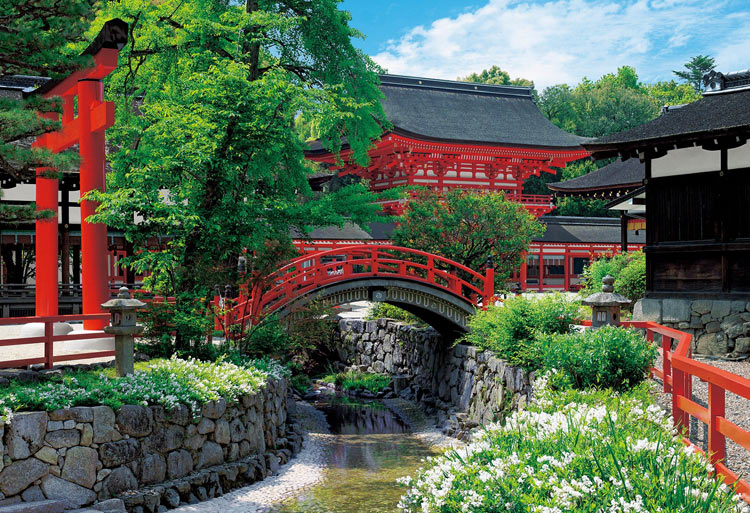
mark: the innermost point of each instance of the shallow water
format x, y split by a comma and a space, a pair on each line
371, 450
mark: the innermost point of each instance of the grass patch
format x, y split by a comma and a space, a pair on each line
355, 380
163, 382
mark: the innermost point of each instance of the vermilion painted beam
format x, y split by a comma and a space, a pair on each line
105, 62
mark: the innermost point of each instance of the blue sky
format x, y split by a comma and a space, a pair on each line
552, 41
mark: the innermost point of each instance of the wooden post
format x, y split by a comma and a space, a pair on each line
623, 232
716, 440
49, 331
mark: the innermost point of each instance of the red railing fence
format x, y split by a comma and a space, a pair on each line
677, 372
49, 357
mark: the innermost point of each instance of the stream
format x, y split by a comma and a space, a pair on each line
370, 450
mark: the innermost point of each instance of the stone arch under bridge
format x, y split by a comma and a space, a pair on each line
445, 312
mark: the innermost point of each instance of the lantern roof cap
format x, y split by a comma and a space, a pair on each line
123, 301
607, 297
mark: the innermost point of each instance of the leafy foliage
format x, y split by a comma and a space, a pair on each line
164, 382
388, 311
469, 228
207, 96
609, 357
355, 380
628, 270
694, 70
513, 329
34, 41
497, 76
573, 451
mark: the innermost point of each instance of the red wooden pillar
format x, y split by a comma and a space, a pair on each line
541, 267
524, 269
95, 279
46, 246
566, 269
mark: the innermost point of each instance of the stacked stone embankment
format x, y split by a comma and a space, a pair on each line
719, 327
465, 386
151, 457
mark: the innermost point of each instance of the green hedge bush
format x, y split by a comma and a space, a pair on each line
609, 357
628, 270
511, 330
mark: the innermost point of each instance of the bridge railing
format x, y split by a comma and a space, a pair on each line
677, 372
310, 272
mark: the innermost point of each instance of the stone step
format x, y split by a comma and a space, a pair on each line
34, 507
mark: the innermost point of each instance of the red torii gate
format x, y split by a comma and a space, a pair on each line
86, 130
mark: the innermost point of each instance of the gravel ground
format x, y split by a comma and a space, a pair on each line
301, 472
308, 467
737, 411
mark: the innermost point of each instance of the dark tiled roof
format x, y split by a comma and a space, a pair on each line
444, 110
586, 230
23, 83
559, 229
726, 113
620, 175
350, 231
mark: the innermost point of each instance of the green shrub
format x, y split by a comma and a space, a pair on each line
628, 270
577, 452
609, 357
511, 330
354, 380
388, 311
631, 282
164, 382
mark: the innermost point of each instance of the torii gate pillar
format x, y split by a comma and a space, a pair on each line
86, 130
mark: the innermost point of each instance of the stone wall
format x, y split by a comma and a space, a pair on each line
719, 327
154, 458
464, 385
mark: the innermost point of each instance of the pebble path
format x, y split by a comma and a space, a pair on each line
301, 472
308, 467
737, 411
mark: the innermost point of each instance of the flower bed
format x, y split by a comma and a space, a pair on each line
158, 382
582, 451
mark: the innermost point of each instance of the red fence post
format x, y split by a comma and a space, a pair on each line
489, 286
681, 417
666, 364
430, 269
49, 358
716, 440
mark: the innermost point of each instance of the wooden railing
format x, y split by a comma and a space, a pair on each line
678, 369
49, 338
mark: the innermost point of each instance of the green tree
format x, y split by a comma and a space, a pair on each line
671, 93
497, 76
694, 70
34, 41
469, 228
210, 163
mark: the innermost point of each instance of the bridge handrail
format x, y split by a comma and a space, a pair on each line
678, 369
385, 247
308, 271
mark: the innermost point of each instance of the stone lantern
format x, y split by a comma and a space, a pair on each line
605, 305
123, 326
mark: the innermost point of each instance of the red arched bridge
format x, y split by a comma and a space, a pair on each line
442, 292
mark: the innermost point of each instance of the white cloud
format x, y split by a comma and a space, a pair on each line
564, 40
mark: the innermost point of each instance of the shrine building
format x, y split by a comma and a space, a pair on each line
696, 185
491, 138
